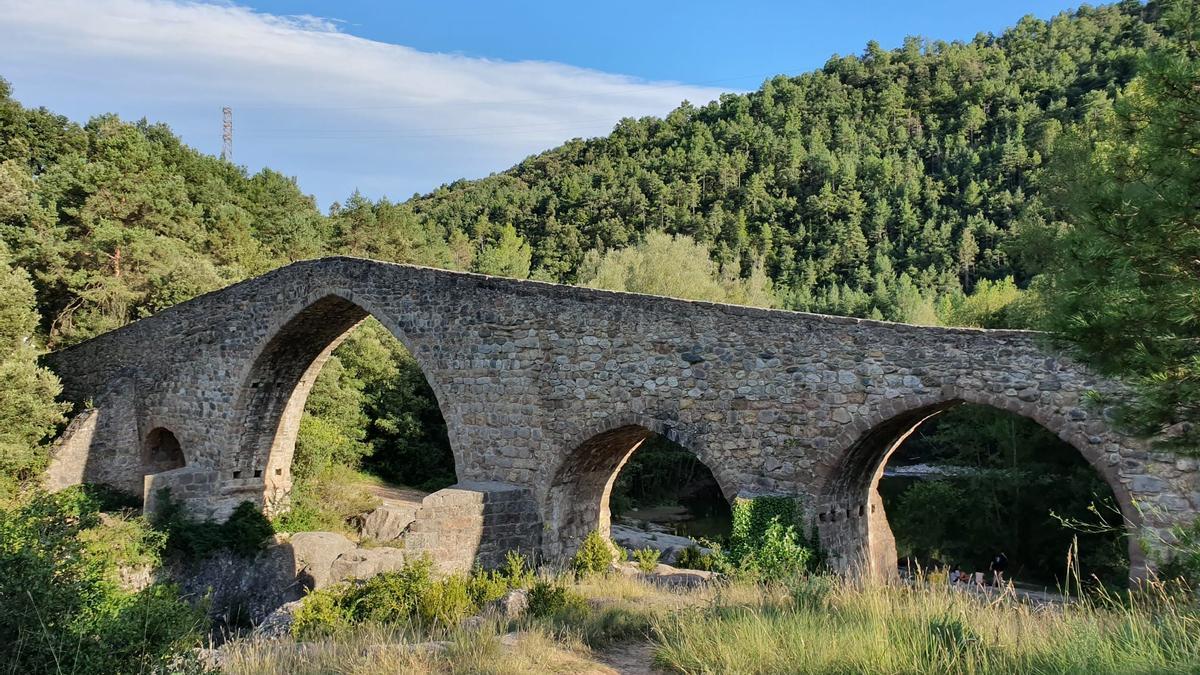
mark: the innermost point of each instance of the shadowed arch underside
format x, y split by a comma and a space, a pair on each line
851, 520
273, 395
578, 499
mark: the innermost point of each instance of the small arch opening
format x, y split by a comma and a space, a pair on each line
161, 452
640, 489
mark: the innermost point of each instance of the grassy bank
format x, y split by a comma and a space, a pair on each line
827, 626
814, 625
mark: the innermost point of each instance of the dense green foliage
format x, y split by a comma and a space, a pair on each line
1126, 287
28, 411
411, 597
595, 555
244, 533
66, 605
874, 186
1019, 489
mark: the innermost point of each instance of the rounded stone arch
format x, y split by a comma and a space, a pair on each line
850, 517
577, 490
274, 383
161, 451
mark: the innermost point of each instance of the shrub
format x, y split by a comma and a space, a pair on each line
321, 613
516, 570
409, 595
245, 532
779, 554
392, 596
595, 555
765, 543
694, 559
647, 559
445, 602
552, 600
61, 601
484, 586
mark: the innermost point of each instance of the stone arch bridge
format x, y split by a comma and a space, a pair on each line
547, 389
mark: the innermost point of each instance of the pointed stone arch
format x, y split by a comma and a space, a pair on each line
275, 385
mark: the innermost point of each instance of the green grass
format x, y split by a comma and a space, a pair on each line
834, 626
813, 624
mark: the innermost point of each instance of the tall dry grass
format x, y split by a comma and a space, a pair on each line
834, 626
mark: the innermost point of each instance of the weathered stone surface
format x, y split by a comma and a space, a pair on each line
387, 522
315, 553
279, 622
669, 545
241, 588
364, 563
550, 388
512, 605
666, 575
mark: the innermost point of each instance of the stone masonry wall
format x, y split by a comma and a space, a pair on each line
527, 373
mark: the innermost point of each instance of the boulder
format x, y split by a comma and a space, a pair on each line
278, 623
387, 522
512, 605
634, 539
239, 589
314, 553
365, 562
666, 575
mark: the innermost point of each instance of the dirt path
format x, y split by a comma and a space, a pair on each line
628, 658
396, 494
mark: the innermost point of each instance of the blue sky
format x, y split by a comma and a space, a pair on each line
399, 97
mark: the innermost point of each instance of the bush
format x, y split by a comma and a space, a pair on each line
245, 532
647, 559
778, 555
392, 596
1183, 556
765, 543
488, 586
516, 570
409, 595
60, 593
484, 586
445, 602
693, 558
552, 600
595, 555
321, 613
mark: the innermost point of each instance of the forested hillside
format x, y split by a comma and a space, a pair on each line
851, 184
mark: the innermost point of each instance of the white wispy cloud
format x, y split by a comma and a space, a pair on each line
336, 110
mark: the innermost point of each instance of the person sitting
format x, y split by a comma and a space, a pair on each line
955, 575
